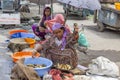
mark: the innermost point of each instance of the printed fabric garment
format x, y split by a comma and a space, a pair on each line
58, 42
67, 56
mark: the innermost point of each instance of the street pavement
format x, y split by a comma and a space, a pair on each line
101, 44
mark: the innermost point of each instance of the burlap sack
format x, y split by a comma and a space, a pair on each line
22, 72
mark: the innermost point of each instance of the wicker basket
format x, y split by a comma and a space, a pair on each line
17, 44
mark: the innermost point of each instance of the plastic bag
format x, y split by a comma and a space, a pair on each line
82, 40
104, 67
47, 77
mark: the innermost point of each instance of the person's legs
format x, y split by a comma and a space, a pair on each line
34, 28
42, 35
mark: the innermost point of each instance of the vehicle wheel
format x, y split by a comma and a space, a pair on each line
66, 12
101, 26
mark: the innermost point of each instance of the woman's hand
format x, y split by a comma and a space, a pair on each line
42, 29
34, 52
37, 48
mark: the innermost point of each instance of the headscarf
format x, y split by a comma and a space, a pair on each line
44, 17
59, 18
58, 26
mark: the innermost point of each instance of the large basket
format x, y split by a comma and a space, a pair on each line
66, 56
18, 44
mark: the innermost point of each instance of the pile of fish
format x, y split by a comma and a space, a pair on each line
36, 65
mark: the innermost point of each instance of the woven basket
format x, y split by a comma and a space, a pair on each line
17, 44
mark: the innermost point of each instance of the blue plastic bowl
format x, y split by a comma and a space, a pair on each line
23, 35
40, 71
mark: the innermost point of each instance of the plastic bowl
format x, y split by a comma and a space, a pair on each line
16, 31
30, 41
22, 35
18, 55
40, 71
27, 35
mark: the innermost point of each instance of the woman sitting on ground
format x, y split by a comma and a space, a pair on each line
41, 29
61, 43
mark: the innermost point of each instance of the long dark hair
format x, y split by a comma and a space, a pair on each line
45, 10
44, 17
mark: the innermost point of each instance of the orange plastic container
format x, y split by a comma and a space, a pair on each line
16, 31
30, 41
18, 55
117, 5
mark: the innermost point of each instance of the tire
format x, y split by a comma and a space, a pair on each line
101, 26
65, 11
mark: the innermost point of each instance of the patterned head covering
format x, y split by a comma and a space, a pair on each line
58, 26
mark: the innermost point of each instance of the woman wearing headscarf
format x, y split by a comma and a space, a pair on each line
59, 18
60, 44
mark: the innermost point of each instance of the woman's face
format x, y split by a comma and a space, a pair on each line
58, 33
47, 12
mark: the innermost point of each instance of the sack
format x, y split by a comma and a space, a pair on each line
82, 40
22, 72
104, 67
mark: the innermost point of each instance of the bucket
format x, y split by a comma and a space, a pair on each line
117, 5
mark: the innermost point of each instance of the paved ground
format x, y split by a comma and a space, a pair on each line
102, 44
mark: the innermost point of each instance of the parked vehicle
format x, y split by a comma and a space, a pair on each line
108, 18
71, 10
